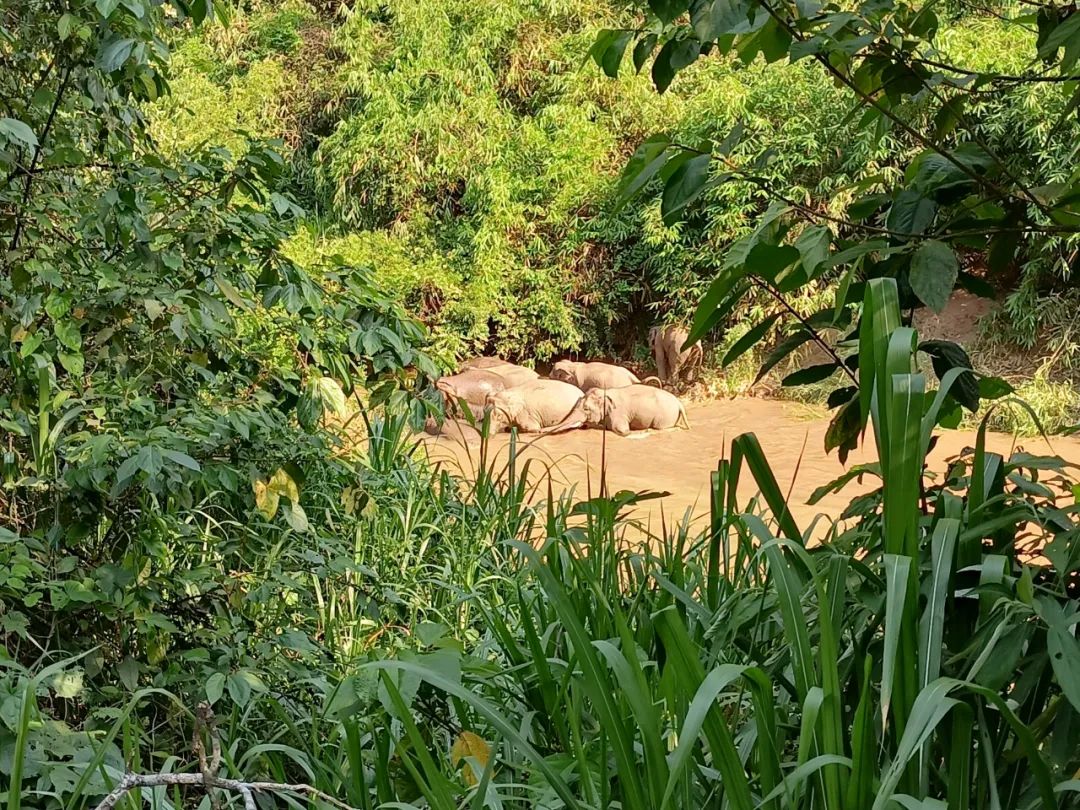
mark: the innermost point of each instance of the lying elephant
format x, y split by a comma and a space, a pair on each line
534, 406
474, 386
455, 429
635, 407
482, 362
587, 376
511, 373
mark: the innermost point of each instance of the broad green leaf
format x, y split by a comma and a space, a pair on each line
717, 299
683, 187
749, 340
296, 517
933, 273
813, 246
810, 374
113, 55
769, 261
945, 356
15, 129
215, 688
128, 672
667, 10
911, 214
239, 689
673, 57
645, 163
613, 56
333, 397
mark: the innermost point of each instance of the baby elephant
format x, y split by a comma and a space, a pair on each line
534, 406
474, 386
635, 407
587, 376
454, 429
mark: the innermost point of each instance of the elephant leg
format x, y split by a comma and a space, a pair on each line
660, 358
527, 423
620, 427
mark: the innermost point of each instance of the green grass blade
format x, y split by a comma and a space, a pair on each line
863, 748
897, 579
959, 763
932, 625
435, 787
597, 685
690, 675
930, 707
747, 448
880, 317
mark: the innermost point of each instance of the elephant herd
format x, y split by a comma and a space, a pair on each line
575, 395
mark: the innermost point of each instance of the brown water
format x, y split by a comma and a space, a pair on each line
680, 461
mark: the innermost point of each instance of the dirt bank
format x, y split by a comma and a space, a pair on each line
680, 461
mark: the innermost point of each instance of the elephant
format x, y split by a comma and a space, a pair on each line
455, 429
593, 375
534, 406
514, 375
474, 386
482, 362
511, 373
635, 407
672, 361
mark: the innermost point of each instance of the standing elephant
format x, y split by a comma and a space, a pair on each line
672, 361
636, 407
587, 376
473, 385
534, 406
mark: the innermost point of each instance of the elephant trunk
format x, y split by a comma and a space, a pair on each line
572, 421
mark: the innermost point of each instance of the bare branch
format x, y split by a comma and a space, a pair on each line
248, 790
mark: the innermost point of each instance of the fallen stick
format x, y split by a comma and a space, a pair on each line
207, 778
131, 781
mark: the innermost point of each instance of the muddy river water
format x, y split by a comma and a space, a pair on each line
680, 461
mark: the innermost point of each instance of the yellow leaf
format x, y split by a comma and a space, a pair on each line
68, 684
469, 745
266, 499
282, 484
